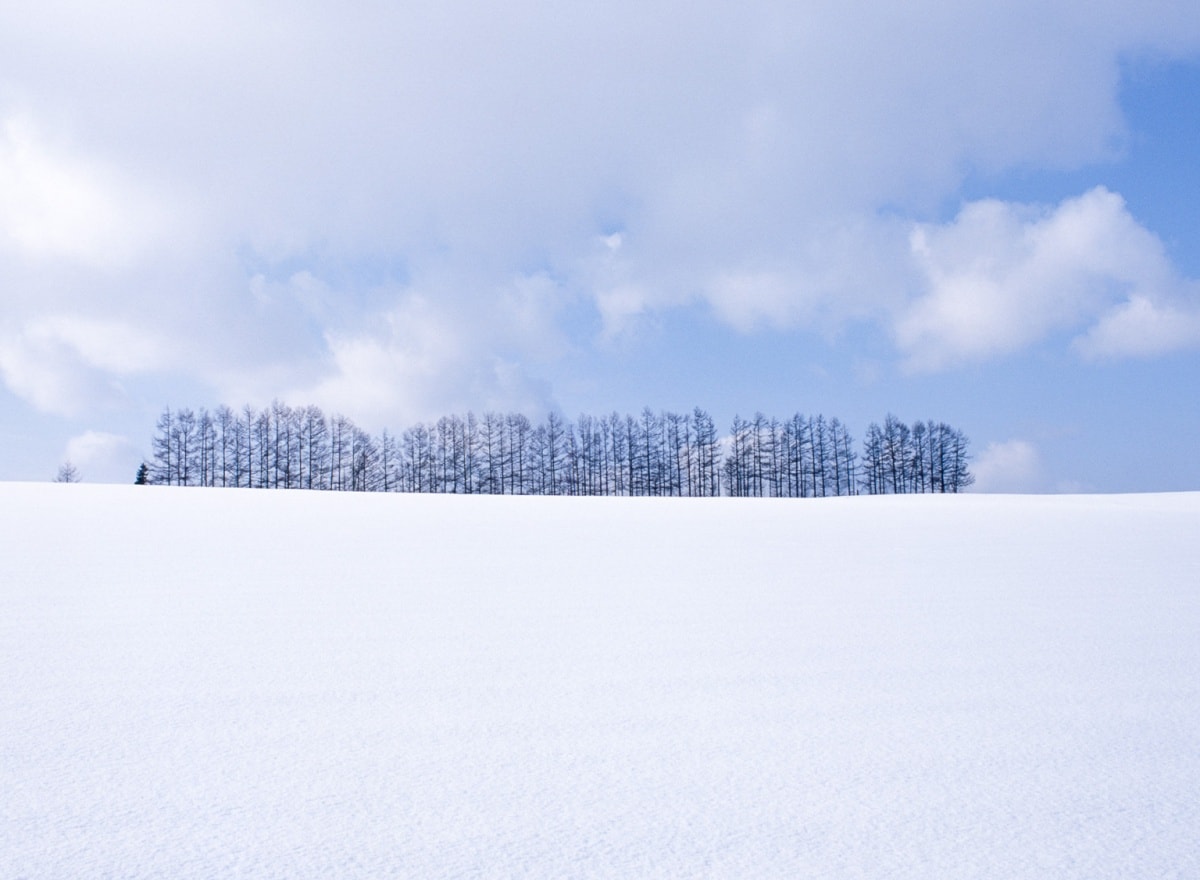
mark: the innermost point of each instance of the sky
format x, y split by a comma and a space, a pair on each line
982, 214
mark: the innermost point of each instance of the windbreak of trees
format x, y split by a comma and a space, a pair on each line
655, 453
925, 457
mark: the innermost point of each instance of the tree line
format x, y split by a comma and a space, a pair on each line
652, 454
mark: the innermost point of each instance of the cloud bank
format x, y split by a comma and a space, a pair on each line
408, 210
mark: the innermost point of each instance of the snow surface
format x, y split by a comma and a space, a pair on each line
233, 683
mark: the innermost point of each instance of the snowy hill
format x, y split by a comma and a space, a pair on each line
236, 683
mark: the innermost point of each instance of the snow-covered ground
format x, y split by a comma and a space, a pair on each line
231, 683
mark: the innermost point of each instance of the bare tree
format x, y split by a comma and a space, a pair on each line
67, 473
164, 450
706, 454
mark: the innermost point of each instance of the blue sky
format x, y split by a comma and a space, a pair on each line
979, 215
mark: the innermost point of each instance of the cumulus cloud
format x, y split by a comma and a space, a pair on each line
1000, 277
1009, 466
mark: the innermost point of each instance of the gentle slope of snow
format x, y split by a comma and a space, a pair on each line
229, 683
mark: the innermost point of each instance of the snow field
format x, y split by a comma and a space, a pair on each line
235, 683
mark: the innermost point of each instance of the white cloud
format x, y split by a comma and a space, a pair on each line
634, 156
748, 298
1141, 327
103, 457
621, 305
392, 366
57, 206
1011, 466
841, 270
422, 358
104, 344
49, 375
1001, 277
67, 364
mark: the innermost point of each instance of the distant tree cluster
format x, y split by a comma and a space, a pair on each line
653, 454
926, 457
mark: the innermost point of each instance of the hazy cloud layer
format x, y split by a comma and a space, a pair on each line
393, 210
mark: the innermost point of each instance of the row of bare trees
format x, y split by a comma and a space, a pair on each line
654, 453
926, 457
277, 447
802, 457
